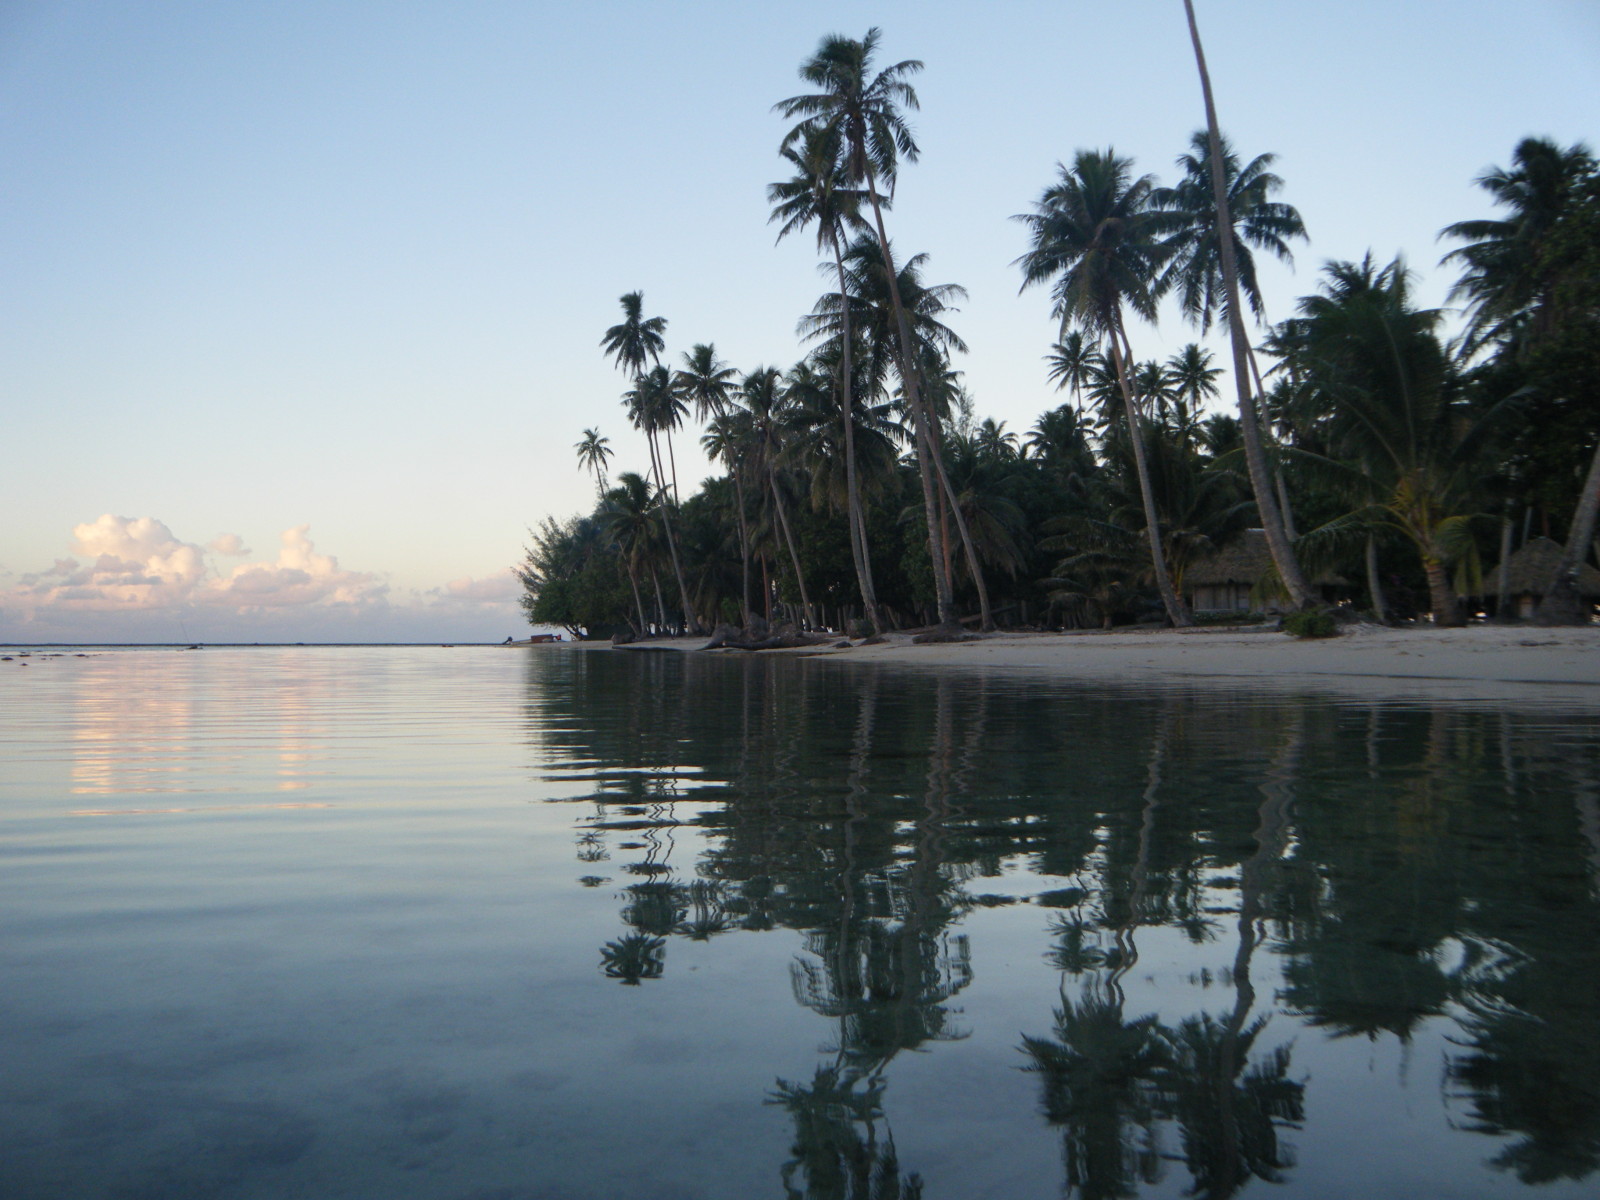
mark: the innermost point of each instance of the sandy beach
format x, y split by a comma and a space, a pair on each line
1514, 664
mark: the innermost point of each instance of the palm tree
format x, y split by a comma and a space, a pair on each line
761, 396
636, 340
1194, 381
1094, 233
819, 193
1259, 222
593, 453
1275, 225
982, 474
994, 442
942, 393
1157, 392
730, 439
1073, 360
704, 381
1515, 271
653, 405
1395, 424
815, 424
1507, 280
867, 305
663, 409
627, 516
865, 111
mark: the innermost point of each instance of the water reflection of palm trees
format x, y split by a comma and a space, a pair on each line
883, 969
838, 1153
1415, 871
1101, 1079
1111, 1083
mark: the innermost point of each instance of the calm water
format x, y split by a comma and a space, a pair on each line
497, 925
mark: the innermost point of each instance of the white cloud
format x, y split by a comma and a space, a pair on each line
300, 576
501, 588
134, 580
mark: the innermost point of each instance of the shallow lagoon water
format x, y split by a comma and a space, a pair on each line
484, 924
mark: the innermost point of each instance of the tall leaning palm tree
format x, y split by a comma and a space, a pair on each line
819, 193
632, 343
865, 110
594, 452
761, 395
1227, 248
1095, 235
730, 439
867, 306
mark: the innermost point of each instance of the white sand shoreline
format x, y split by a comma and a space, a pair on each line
1494, 663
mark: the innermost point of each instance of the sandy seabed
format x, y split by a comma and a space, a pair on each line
1509, 663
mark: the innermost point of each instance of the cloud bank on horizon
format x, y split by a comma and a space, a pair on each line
131, 579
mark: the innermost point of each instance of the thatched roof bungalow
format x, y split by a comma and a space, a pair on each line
1530, 572
1240, 577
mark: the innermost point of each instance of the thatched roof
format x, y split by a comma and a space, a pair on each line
1245, 561
1532, 569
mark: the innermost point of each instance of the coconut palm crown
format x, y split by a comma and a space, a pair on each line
636, 339
1096, 235
862, 108
1195, 268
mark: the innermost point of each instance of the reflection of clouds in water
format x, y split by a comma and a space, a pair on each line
136, 731
126, 737
149, 812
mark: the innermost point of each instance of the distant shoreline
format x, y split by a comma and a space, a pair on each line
4, 646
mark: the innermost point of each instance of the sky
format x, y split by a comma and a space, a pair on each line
300, 303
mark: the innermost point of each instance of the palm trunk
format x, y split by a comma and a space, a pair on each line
1563, 603
1283, 556
943, 589
638, 604
794, 555
858, 525
661, 604
1276, 468
1441, 596
1380, 607
744, 549
1177, 612
1502, 599
987, 617
689, 620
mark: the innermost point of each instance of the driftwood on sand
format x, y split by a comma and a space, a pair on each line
761, 637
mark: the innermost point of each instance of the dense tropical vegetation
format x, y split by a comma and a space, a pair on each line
1388, 464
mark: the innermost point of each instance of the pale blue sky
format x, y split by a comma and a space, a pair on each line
347, 265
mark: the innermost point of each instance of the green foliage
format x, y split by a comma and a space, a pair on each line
1311, 623
571, 577
1389, 440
